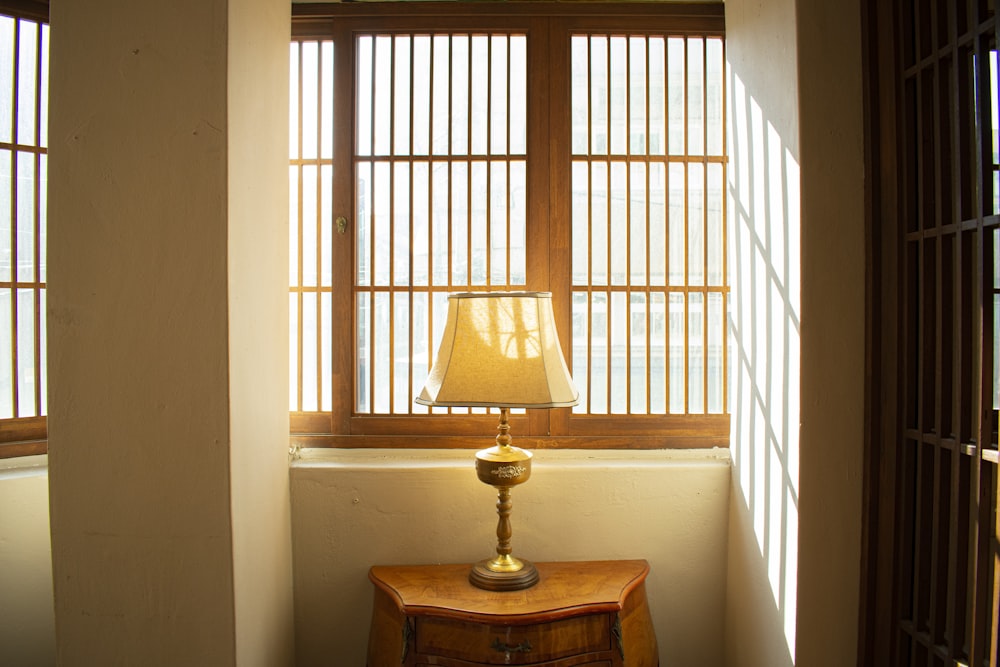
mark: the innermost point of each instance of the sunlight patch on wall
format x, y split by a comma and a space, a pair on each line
763, 219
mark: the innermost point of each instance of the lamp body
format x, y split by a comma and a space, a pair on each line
503, 467
500, 350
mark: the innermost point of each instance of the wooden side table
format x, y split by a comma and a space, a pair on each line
583, 614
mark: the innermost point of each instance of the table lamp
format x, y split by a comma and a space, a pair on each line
500, 350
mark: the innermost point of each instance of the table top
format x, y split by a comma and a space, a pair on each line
564, 589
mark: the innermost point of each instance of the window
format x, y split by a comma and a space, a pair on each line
578, 150
24, 42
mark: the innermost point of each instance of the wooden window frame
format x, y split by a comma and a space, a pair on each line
548, 26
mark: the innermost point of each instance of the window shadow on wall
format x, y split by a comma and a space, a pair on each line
763, 231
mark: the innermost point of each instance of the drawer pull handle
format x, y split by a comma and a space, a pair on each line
500, 647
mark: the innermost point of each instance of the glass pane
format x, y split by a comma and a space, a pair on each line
381, 193
401, 224
657, 97
420, 248
599, 353
657, 353
695, 98
637, 95
310, 242
618, 91
364, 227
421, 349
326, 223
579, 109
27, 83
439, 213
477, 224
381, 354
310, 99
43, 94
716, 342
42, 345
6, 354
638, 353
364, 91
498, 94
581, 223
326, 99
479, 93
421, 116
401, 95
498, 223
696, 224
637, 223
619, 224
310, 357
696, 356
460, 94
401, 377
6, 217
441, 50
25, 217
599, 100
676, 338
460, 223
599, 249
382, 95
518, 224
579, 360
6, 77
675, 95
714, 86
619, 352
657, 224
363, 353
326, 350
293, 351
716, 225
676, 244
518, 80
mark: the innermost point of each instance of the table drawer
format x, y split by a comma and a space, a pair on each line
512, 644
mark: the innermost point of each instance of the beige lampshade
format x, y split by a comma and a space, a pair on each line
500, 349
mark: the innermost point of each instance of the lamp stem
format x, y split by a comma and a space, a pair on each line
504, 530
503, 428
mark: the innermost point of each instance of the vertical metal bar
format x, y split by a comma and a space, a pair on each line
15, 111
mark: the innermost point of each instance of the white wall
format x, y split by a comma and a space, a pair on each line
797, 252
355, 509
27, 622
764, 261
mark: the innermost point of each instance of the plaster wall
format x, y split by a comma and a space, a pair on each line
834, 271
765, 329
27, 624
168, 498
257, 78
354, 509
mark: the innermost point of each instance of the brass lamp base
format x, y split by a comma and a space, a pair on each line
503, 467
485, 575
